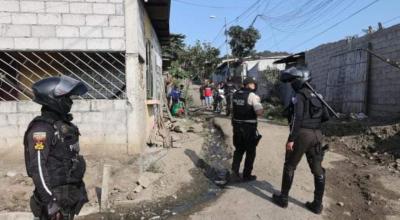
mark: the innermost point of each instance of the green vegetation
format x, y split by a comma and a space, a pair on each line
243, 41
197, 61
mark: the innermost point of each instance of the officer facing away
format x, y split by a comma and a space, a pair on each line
52, 151
229, 89
306, 116
246, 108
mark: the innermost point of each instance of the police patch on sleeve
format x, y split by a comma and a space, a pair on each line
39, 138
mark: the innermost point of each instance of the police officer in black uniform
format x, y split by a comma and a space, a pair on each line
229, 89
246, 108
307, 113
52, 151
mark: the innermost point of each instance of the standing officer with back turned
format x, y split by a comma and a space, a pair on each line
307, 113
246, 108
52, 151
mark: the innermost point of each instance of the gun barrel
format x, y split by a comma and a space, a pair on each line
322, 100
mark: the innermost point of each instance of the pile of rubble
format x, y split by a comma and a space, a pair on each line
377, 143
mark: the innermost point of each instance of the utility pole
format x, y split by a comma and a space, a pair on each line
226, 46
226, 40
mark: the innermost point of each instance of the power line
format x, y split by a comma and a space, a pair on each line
323, 20
390, 20
236, 19
336, 24
205, 6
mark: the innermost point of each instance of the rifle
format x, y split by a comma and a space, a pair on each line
322, 100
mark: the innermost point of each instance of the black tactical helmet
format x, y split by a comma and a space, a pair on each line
55, 92
249, 80
297, 76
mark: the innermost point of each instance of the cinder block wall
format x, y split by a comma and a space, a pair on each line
102, 123
62, 25
385, 79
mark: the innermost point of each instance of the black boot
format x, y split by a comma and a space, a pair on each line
248, 178
287, 180
316, 205
281, 200
235, 177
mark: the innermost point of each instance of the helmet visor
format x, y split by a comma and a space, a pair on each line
69, 86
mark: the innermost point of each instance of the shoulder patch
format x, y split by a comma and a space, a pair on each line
39, 138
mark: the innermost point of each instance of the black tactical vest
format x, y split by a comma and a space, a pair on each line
64, 164
313, 110
241, 108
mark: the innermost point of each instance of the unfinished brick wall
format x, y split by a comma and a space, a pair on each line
340, 73
62, 25
102, 123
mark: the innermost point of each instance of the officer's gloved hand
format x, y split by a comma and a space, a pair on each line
53, 209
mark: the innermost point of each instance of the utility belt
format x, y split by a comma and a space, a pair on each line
309, 123
239, 122
70, 198
248, 126
310, 127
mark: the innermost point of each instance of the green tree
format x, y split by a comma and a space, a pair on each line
201, 60
243, 40
175, 48
177, 71
267, 53
196, 61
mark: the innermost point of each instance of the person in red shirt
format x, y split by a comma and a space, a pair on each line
208, 95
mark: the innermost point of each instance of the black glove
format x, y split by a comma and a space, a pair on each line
53, 208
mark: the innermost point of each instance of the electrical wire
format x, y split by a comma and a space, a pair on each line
205, 6
235, 20
336, 24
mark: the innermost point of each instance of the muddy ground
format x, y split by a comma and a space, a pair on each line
369, 176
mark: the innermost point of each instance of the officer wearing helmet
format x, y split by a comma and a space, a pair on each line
307, 113
246, 106
52, 151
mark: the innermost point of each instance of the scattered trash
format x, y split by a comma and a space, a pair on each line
358, 116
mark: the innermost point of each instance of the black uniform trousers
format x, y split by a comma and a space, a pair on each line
308, 142
245, 141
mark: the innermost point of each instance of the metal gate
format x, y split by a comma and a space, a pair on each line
102, 72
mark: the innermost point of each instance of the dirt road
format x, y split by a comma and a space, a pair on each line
359, 184
253, 200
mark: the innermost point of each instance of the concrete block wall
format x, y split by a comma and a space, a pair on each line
102, 123
62, 25
384, 89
